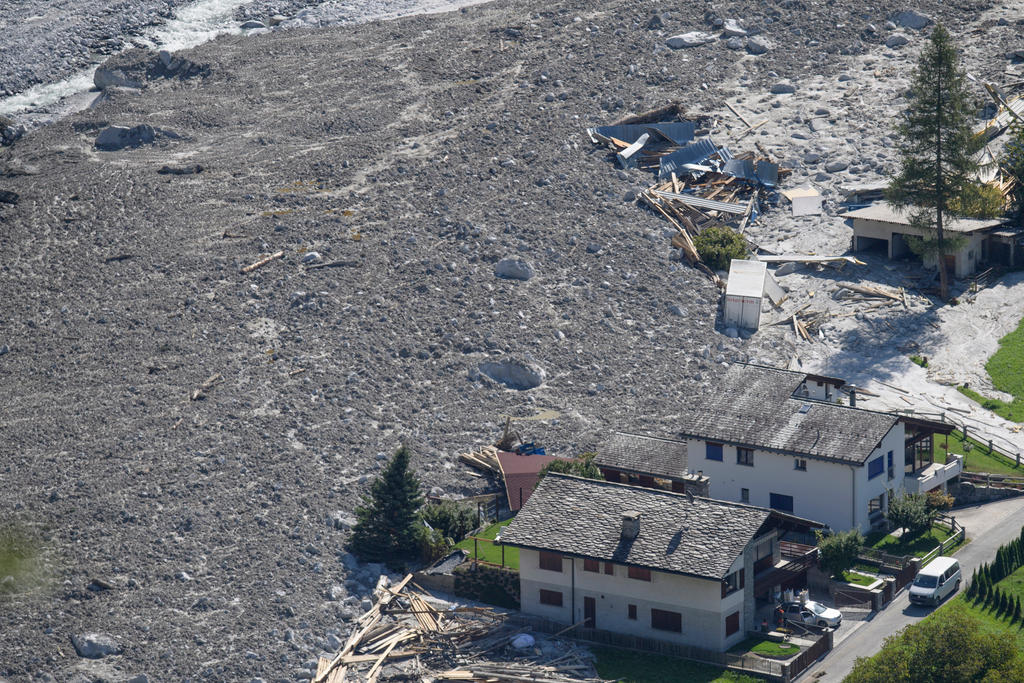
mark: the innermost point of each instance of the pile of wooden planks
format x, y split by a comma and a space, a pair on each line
454, 644
485, 459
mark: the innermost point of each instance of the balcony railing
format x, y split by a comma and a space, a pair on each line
934, 475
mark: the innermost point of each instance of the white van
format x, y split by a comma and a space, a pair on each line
936, 581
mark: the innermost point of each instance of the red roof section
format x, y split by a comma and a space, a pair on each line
520, 474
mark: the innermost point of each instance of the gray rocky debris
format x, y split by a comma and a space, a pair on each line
95, 645
732, 28
252, 24
736, 43
783, 89
897, 40
758, 45
836, 166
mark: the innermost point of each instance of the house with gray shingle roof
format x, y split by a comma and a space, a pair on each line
781, 439
643, 561
649, 461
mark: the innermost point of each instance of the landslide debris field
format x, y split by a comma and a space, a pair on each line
186, 441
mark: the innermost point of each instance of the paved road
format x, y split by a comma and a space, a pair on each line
989, 526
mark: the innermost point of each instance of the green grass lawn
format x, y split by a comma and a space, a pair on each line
488, 552
765, 648
1006, 366
918, 546
642, 667
979, 459
859, 579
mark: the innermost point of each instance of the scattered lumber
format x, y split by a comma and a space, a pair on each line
871, 291
450, 644
485, 459
263, 261
200, 392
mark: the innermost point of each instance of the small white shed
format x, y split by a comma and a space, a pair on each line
749, 282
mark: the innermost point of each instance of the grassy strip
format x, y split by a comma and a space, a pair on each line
488, 552
1014, 411
979, 459
858, 579
643, 667
765, 648
919, 360
1000, 626
1006, 366
918, 546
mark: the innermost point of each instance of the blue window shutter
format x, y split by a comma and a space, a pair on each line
876, 467
714, 451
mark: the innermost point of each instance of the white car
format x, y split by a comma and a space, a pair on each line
812, 613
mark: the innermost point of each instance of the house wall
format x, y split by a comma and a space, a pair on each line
699, 601
833, 493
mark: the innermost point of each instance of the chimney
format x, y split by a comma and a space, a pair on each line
853, 398
630, 525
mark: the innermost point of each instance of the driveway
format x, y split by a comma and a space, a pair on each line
988, 526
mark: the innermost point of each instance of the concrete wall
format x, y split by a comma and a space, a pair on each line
833, 493
699, 601
967, 259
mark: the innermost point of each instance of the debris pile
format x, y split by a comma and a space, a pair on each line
700, 183
457, 644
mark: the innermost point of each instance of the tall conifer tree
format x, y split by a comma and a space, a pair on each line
386, 523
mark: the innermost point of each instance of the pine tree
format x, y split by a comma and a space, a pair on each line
937, 148
972, 587
1016, 609
1004, 603
387, 525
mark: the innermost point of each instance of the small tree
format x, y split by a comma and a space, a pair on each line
1013, 162
387, 527
910, 512
939, 501
581, 466
718, 245
838, 552
938, 148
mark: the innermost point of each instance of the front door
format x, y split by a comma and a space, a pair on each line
589, 612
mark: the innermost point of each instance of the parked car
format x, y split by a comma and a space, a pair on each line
939, 579
812, 613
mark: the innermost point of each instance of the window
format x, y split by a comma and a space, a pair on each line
640, 574
777, 501
714, 451
666, 621
632, 612
800, 464
591, 565
551, 561
744, 495
553, 598
733, 582
745, 456
875, 505
876, 467
609, 568
633, 479
892, 472
732, 624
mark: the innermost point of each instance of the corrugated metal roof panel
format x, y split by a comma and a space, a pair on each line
740, 168
678, 133
694, 153
701, 203
767, 173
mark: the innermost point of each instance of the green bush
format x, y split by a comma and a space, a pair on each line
453, 520
910, 511
718, 245
580, 466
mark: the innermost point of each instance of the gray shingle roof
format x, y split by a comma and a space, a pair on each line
646, 454
754, 406
884, 212
583, 517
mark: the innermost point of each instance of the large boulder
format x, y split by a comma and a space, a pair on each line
691, 39
897, 40
132, 68
911, 19
513, 269
514, 374
95, 645
758, 45
113, 138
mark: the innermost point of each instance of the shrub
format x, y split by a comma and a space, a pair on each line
718, 245
910, 512
452, 519
580, 466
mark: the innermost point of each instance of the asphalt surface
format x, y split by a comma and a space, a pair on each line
988, 526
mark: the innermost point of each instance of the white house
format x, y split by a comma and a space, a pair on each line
884, 226
780, 439
643, 561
